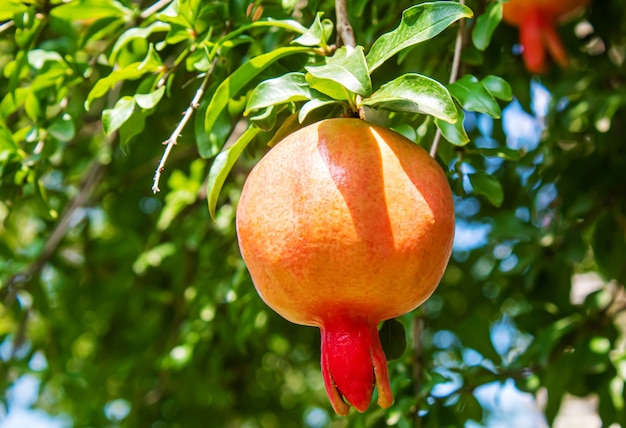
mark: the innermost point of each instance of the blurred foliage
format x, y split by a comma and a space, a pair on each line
115, 298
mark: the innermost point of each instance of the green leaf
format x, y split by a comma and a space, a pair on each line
132, 127
318, 34
10, 8
91, 10
473, 96
113, 118
502, 152
392, 338
319, 101
136, 33
348, 68
151, 63
62, 128
486, 24
417, 94
419, 23
236, 81
488, 186
222, 165
498, 87
290, 87
609, 246
454, 132
148, 101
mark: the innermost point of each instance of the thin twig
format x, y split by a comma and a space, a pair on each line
172, 140
454, 73
154, 8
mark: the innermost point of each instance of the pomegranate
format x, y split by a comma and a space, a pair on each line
537, 21
344, 224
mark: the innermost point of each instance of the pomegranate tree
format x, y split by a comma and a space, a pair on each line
342, 225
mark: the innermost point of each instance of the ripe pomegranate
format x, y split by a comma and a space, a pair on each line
537, 21
344, 224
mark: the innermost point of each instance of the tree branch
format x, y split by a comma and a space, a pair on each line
172, 140
92, 178
6, 26
154, 8
345, 34
454, 74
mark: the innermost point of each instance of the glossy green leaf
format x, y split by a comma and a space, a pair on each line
150, 64
473, 96
132, 127
346, 67
236, 81
454, 132
319, 101
415, 93
115, 117
488, 186
316, 35
486, 25
419, 23
222, 165
287, 88
498, 87
148, 101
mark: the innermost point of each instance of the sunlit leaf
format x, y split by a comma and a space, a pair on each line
346, 67
90, 10
419, 23
222, 165
289, 87
454, 132
148, 101
317, 34
236, 81
415, 93
115, 117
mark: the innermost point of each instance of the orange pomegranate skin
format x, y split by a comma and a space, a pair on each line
344, 224
537, 21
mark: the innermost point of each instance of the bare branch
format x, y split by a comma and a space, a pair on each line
172, 140
454, 74
155, 8
92, 178
345, 34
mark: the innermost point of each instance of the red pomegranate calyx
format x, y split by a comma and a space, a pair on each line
353, 362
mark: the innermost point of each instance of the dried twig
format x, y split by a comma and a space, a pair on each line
172, 140
454, 73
